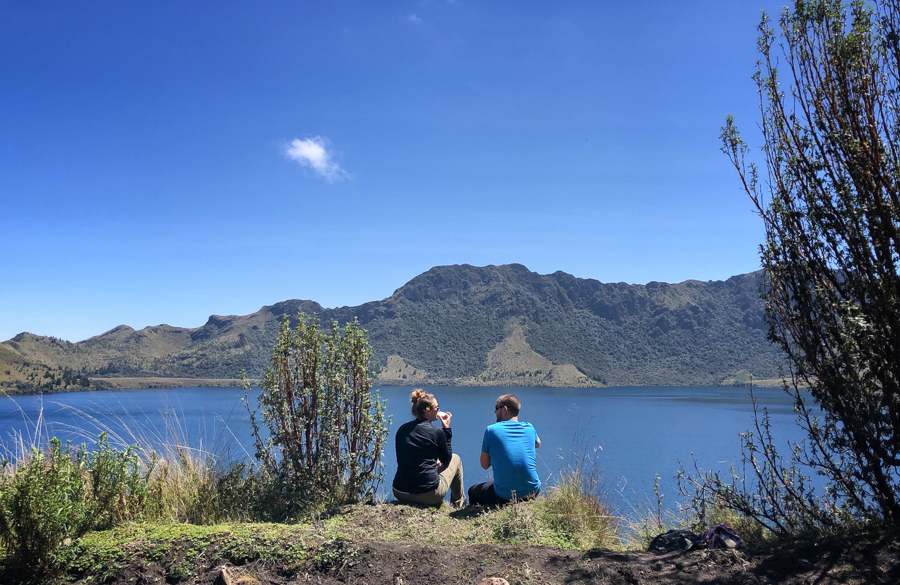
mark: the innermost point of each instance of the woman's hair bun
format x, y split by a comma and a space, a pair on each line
421, 400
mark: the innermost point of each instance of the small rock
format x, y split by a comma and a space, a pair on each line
493, 581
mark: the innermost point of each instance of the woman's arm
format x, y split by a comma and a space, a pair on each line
444, 444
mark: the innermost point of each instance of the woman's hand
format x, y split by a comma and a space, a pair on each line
444, 417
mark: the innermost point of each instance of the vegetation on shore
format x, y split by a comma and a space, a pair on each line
72, 513
190, 528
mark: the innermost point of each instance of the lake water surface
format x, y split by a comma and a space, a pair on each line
629, 434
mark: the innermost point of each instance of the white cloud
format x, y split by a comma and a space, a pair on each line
413, 19
312, 153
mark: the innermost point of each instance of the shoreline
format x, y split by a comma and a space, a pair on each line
161, 383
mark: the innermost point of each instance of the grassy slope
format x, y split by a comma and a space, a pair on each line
183, 549
19, 375
386, 542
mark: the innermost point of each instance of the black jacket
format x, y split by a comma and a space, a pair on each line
419, 446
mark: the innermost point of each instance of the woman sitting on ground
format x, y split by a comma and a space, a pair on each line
426, 466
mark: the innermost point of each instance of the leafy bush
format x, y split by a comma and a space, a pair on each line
326, 430
118, 490
62, 493
42, 503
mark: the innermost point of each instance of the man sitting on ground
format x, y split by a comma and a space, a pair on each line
509, 447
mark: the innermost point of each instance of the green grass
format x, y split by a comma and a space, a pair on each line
564, 517
189, 487
569, 515
573, 515
187, 550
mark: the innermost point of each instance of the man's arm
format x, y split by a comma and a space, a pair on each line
485, 460
537, 443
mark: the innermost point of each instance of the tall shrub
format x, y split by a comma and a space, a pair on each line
326, 428
829, 83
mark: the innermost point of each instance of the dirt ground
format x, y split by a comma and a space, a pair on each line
863, 561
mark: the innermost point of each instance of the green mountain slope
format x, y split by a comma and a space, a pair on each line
502, 325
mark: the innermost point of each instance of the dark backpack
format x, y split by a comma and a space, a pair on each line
676, 540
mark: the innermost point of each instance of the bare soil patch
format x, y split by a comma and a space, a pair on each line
835, 561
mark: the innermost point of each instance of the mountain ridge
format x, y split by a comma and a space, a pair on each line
448, 322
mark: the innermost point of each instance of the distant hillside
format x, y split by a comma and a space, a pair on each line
493, 325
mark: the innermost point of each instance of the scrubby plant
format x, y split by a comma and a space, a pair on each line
63, 492
576, 512
41, 504
117, 487
198, 488
326, 429
769, 496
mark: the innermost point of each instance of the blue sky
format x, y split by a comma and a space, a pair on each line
161, 162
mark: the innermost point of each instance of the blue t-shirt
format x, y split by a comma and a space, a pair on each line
511, 447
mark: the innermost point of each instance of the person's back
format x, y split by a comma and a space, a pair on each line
419, 445
509, 447
427, 467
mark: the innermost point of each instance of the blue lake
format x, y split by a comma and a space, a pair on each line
629, 434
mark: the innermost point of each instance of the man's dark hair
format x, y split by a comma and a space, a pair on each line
511, 402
